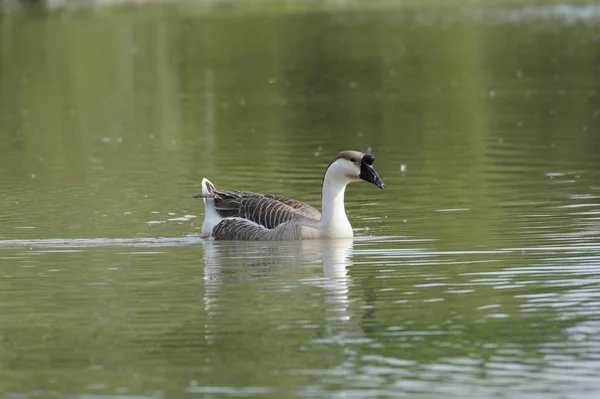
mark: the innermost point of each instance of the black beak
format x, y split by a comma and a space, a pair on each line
367, 173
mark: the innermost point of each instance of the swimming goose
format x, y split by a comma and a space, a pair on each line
247, 216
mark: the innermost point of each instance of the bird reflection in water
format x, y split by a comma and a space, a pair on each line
234, 262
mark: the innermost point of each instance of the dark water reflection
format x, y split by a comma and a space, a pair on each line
476, 273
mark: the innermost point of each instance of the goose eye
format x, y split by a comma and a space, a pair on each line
353, 160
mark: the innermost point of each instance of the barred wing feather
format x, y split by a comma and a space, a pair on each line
266, 210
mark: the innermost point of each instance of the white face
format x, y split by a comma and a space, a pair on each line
344, 168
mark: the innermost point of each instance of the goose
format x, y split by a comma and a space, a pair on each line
235, 215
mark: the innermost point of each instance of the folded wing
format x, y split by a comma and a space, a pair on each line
265, 210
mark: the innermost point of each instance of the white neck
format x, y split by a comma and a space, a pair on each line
334, 222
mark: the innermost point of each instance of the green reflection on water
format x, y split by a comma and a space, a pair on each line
109, 121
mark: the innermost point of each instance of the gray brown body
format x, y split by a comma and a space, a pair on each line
250, 216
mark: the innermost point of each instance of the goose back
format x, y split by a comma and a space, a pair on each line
266, 210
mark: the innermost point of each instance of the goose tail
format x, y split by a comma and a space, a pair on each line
208, 190
211, 216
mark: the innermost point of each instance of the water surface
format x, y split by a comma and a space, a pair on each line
474, 274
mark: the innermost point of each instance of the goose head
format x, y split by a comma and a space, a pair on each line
350, 166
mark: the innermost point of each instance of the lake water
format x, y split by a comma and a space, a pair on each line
474, 274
